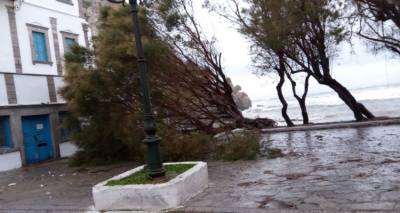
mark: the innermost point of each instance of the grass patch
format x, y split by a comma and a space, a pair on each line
141, 177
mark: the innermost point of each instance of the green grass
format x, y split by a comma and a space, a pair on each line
141, 177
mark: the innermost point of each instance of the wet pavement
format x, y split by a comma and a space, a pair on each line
343, 169
53, 187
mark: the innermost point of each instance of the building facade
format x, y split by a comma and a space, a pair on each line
34, 36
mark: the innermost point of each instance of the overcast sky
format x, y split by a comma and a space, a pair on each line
354, 67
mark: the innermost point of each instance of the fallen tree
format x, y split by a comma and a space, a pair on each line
102, 90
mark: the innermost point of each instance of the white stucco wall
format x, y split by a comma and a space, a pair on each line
6, 51
3, 92
59, 83
10, 161
38, 13
31, 89
67, 149
56, 6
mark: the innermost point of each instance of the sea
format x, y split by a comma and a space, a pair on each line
382, 101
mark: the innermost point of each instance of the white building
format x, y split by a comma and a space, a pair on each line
34, 36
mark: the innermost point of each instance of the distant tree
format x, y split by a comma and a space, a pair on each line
378, 21
268, 45
307, 34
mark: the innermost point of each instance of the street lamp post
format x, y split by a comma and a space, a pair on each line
154, 164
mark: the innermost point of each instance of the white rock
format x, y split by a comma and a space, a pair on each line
241, 99
225, 137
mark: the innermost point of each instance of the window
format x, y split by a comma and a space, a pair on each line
65, 133
69, 39
69, 42
39, 44
5, 132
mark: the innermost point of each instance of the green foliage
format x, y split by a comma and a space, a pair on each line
87, 4
185, 147
102, 92
142, 177
282, 27
102, 95
240, 147
274, 153
196, 146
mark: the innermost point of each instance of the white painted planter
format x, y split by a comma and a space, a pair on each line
150, 197
10, 161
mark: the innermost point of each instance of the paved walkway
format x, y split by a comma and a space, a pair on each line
343, 169
52, 187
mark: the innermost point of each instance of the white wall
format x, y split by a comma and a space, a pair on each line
59, 83
3, 92
6, 51
10, 161
56, 6
32, 14
67, 149
31, 89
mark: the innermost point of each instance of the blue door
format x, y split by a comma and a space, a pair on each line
37, 138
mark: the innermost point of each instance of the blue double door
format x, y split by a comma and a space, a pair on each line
37, 138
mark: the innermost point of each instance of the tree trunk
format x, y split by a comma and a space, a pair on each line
304, 113
302, 103
359, 110
281, 73
301, 100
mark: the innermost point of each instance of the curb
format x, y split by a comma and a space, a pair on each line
385, 122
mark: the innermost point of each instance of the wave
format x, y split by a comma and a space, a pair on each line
332, 99
382, 101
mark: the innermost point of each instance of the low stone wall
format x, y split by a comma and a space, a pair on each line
339, 125
10, 161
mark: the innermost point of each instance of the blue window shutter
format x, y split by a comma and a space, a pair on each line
6, 131
69, 42
39, 42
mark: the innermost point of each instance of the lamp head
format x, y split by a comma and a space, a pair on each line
117, 1
125, 1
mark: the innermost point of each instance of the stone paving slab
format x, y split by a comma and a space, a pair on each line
355, 169
53, 187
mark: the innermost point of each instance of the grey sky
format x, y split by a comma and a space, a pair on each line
355, 67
